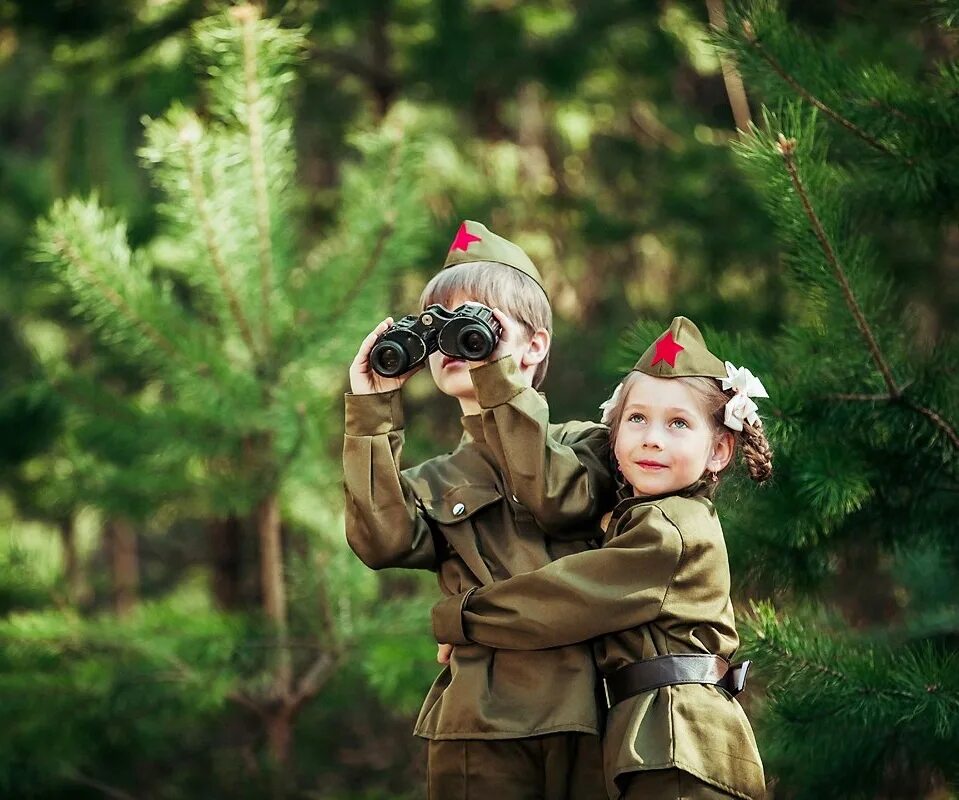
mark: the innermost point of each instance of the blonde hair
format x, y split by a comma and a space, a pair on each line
500, 286
750, 441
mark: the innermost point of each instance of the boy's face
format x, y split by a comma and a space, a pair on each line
664, 441
452, 375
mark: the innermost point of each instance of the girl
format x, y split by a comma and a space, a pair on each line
657, 592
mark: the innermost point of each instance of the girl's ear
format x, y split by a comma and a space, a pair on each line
537, 349
722, 452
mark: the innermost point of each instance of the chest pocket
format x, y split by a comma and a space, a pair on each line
454, 517
461, 503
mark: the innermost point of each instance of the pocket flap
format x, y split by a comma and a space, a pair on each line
461, 503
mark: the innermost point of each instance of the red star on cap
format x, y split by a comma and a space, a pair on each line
667, 349
463, 239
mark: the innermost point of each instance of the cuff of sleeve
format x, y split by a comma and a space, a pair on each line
371, 414
498, 382
448, 619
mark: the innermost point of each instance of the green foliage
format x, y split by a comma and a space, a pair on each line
80, 693
243, 335
883, 713
862, 418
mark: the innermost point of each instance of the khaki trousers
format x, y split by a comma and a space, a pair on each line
555, 766
670, 784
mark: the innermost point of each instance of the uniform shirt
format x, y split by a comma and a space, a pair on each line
455, 514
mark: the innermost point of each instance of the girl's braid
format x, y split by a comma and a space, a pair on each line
757, 453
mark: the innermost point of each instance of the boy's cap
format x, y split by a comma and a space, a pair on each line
680, 352
475, 242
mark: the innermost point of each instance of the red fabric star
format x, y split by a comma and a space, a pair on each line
667, 350
463, 239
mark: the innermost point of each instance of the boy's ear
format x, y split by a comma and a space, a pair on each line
722, 452
538, 348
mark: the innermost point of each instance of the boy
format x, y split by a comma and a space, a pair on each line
500, 723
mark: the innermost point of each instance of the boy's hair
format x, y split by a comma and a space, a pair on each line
495, 285
751, 441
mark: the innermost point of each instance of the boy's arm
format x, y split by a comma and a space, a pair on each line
575, 598
563, 482
383, 525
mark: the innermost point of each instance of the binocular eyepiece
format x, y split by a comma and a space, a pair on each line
470, 332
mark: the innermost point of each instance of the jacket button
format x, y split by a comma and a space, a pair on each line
458, 509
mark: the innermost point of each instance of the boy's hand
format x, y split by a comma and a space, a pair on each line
443, 653
510, 333
363, 380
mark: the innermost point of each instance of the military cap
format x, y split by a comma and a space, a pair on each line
680, 352
475, 242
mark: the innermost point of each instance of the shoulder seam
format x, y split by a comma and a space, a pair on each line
682, 552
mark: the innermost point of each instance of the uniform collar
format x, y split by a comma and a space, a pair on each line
702, 488
473, 427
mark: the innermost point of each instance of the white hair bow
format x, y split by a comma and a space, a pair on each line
740, 408
607, 405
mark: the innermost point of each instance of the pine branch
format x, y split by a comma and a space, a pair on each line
834, 115
91, 783
786, 148
389, 224
188, 137
66, 249
787, 656
247, 16
935, 417
309, 685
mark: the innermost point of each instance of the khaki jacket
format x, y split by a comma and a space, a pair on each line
455, 514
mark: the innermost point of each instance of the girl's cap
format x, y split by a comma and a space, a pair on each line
680, 352
475, 242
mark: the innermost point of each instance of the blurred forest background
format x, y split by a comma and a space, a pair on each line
203, 209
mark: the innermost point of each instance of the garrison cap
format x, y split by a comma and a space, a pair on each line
680, 352
475, 242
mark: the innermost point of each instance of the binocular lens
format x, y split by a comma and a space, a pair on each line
389, 359
475, 342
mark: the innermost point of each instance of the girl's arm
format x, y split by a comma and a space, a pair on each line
563, 477
575, 598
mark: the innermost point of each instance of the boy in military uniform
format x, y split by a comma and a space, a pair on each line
500, 723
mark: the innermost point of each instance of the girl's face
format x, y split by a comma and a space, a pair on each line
664, 441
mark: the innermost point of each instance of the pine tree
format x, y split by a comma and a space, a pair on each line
241, 329
854, 541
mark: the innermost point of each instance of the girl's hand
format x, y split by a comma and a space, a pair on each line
363, 380
443, 653
510, 333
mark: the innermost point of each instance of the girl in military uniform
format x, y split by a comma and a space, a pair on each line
657, 592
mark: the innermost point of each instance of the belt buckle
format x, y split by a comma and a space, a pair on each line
737, 677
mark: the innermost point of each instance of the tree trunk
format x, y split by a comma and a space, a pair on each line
279, 734
124, 565
274, 587
735, 90
226, 557
72, 571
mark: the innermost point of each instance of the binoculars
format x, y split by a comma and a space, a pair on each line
470, 332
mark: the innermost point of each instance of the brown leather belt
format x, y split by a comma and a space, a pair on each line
653, 673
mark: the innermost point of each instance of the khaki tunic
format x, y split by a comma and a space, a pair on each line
454, 514
660, 585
